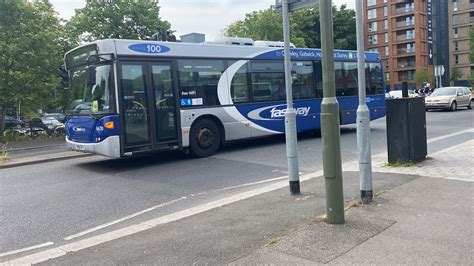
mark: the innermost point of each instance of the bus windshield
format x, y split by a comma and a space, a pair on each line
95, 98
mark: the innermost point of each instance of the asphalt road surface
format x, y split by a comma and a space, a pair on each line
57, 201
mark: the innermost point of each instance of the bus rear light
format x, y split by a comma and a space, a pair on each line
109, 125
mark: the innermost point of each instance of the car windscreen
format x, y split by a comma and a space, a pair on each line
444, 92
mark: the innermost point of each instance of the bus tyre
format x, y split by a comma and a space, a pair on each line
454, 106
205, 138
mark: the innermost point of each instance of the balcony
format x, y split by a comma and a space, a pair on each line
401, 38
401, 24
404, 10
405, 51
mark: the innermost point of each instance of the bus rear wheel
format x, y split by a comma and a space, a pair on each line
205, 138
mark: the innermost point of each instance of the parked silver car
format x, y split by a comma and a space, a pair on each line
449, 98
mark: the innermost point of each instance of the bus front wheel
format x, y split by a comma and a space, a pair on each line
205, 138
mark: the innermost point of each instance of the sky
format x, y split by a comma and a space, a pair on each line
204, 16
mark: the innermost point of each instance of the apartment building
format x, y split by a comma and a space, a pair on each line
461, 19
401, 31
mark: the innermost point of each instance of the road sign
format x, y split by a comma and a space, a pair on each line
439, 70
294, 5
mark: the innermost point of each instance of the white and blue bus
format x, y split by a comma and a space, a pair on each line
129, 97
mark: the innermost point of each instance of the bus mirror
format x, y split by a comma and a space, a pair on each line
64, 77
91, 80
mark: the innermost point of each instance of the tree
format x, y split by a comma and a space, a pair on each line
31, 53
422, 75
117, 19
471, 37
456, 74
304, 27
258, 25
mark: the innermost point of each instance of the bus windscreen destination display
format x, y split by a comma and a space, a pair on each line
79, 56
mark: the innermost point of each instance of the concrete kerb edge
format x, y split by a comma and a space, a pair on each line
12, 163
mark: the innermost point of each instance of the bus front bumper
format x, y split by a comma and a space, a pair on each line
109, 147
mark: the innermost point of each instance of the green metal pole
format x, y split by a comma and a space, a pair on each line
330, 121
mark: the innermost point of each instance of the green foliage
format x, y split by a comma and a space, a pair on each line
456, 74
398, 164
304, 27
471, 53
116, 19
258, 25
422, 75
471, 79
31, 52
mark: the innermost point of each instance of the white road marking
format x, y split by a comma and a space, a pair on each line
102, 226
122, 219
25, 249
470, 130
133, 229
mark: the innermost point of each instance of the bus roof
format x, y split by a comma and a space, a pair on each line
146, 48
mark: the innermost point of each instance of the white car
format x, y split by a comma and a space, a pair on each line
398, 94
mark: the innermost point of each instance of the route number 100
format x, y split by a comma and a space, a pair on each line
153, 48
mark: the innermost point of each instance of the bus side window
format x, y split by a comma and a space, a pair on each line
304, 86
198, 79
239, 85
318, 79
268, 79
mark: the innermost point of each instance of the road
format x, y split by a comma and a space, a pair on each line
59, 201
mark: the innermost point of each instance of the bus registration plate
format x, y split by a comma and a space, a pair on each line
80, 147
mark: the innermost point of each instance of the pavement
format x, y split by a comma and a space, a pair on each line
22, 153
422, 214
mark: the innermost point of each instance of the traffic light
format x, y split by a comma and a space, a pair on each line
64, 76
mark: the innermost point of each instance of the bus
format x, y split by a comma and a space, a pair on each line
129, 97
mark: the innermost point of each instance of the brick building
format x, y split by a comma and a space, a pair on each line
461, 19
417, 34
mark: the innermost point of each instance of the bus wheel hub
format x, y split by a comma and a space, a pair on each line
205, 138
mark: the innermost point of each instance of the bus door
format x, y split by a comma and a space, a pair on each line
164, 103
134, 108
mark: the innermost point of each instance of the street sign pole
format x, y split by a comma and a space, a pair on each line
290, 115
330, 130
363, 116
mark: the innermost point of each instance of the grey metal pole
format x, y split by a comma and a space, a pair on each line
363, 115
330, 121
290, 114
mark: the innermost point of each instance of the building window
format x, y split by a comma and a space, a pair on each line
385, 11
410, 20
373, 39
410, 47
372, 26
371, 2
456, 59
386, 50
456, 19
455, 5
386, 37
387, 77
456, 33
385, 24
410, 34
456, 46
371, 13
